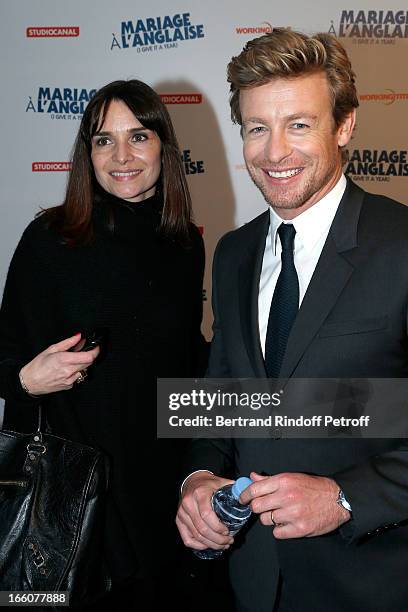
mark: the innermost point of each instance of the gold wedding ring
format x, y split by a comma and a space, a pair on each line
273, 522
81, 377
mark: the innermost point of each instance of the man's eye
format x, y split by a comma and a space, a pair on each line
299, 126
257, 130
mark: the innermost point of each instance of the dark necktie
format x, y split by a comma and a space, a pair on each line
284, 305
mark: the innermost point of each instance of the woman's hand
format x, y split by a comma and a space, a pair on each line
57, 368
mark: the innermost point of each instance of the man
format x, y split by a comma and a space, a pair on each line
315, 287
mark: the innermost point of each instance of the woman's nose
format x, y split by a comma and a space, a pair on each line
122, 153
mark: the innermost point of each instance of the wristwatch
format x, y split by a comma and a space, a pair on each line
342, 501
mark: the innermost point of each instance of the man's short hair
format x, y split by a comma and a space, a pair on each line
286, 54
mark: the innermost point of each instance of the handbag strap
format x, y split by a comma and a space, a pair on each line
43, 426
36, 444
40, 419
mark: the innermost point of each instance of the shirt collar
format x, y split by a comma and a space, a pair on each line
314, 222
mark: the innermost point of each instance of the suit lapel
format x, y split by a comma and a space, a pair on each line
333, 270
249, 274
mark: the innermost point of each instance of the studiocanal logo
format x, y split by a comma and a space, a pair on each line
156, 33
377, 164
60, 103
264, 28
51, 166
181, 98
52, 31
372, 26
389, 96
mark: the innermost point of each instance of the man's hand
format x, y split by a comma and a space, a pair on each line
197, 522
302, 505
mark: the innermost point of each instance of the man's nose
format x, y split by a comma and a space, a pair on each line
277, 147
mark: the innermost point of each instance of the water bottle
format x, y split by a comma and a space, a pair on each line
228, 509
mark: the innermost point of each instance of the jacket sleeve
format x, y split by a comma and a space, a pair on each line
218, 363
20, 295
215, 455
200, 345
377, 490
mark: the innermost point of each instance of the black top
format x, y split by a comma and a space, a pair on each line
146, 290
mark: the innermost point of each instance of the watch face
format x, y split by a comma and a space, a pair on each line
343, 501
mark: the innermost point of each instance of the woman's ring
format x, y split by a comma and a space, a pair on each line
81, 376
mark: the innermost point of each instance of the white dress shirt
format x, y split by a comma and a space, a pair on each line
312, 228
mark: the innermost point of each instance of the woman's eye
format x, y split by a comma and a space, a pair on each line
102, 141
139, 137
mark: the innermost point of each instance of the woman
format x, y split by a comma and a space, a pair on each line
120, 255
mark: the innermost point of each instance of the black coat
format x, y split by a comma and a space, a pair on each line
146, 291
351, 323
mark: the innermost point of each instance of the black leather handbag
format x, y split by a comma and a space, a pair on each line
52, 506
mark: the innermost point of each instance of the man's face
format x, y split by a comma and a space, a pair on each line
291, 144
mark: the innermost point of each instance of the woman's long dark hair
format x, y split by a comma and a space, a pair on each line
73, 218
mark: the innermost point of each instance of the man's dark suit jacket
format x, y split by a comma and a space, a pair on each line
351, 323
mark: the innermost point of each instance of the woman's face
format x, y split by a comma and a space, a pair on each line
126, 156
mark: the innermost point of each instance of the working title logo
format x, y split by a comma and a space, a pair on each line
52, 31
156, 33
372, 26
264, 28
60, 103
181, 98
376, 165
388, 97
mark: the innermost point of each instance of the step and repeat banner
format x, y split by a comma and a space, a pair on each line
55, 55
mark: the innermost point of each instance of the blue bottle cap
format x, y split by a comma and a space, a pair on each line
240, 485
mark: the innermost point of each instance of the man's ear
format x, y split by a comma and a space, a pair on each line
345, 131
